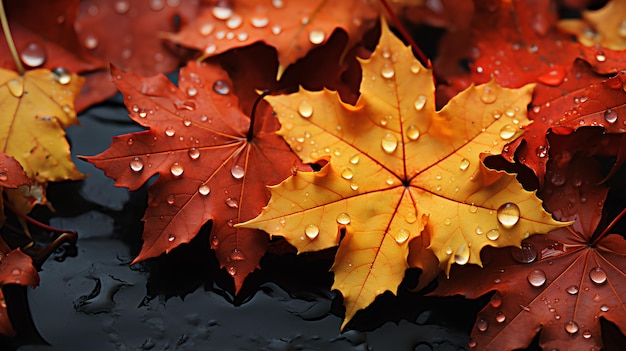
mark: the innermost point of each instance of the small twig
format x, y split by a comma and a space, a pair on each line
250, 134
36, 222
9, 39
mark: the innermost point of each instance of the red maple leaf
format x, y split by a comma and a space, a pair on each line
558, 284
211, 164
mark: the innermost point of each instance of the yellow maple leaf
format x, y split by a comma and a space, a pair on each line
398, 169
36, 107
605, 27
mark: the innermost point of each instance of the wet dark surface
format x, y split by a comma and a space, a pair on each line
93, 300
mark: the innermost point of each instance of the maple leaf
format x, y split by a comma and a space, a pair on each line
605, 27
293, 28
36, 107
559, 283
15, 268
211, 164
398, 169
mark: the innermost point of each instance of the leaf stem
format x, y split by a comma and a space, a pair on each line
610, 226
250, 134
400, 27
9, 39
36, 222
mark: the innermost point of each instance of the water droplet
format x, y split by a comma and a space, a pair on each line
541, 151
259, 21
157, 5
415, 67
412, 132
496, 300
508, 215
558, 179
16, 87
231, 202
206, 29
276, 29
62, 76
462, 255
121, 7
3, 176
597, 275
354, 159
507, 132
587, 334
472, 208
192, 91
221, 87
493, 234
610, 116
526, 254
354, 186
402, 236
482, 325
33, 55
465, 163
171, 237
279, 4
305, 109
420, 102
316, 37
347, 173
572, 290
222, 12
232, 270
488, 97
234, 22
242, 36
237, 255
91, 42
343, 218
387, 71
176, 169
389, 180
479, 230
600, 56
193, 153
312, 231
510, 113
170, 131
604, 308
537, 278
204, 189
16, 271
170, 199
237, 172
571, 327
143, 114
136, 164
389, 143
500, 317
447, 221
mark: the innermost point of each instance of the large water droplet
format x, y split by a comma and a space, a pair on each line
311, 231
537, 278
571, 327
33, 55
420, 102
412, 132
136, 164
156, 5
389, 143
62, 76
204, 189
121, 6
526, 254
604, 308
176, 169
507, 132
482, 325
402, 235
610, 116
572, 290
493, 234
16, 87
600, 56
170, 131
259, 21
221, 87
231, 202
347, 173
234, 22
355, 159
305, 109
464, 165
316, 37
462, 255
387, 71
508, 215
237, 172
193, 153
500, 317
488, 96
597, 275
343, 218
222, 12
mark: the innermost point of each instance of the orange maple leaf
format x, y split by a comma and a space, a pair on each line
399, 170
36, 108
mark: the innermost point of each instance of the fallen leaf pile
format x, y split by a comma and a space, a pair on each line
499, 170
